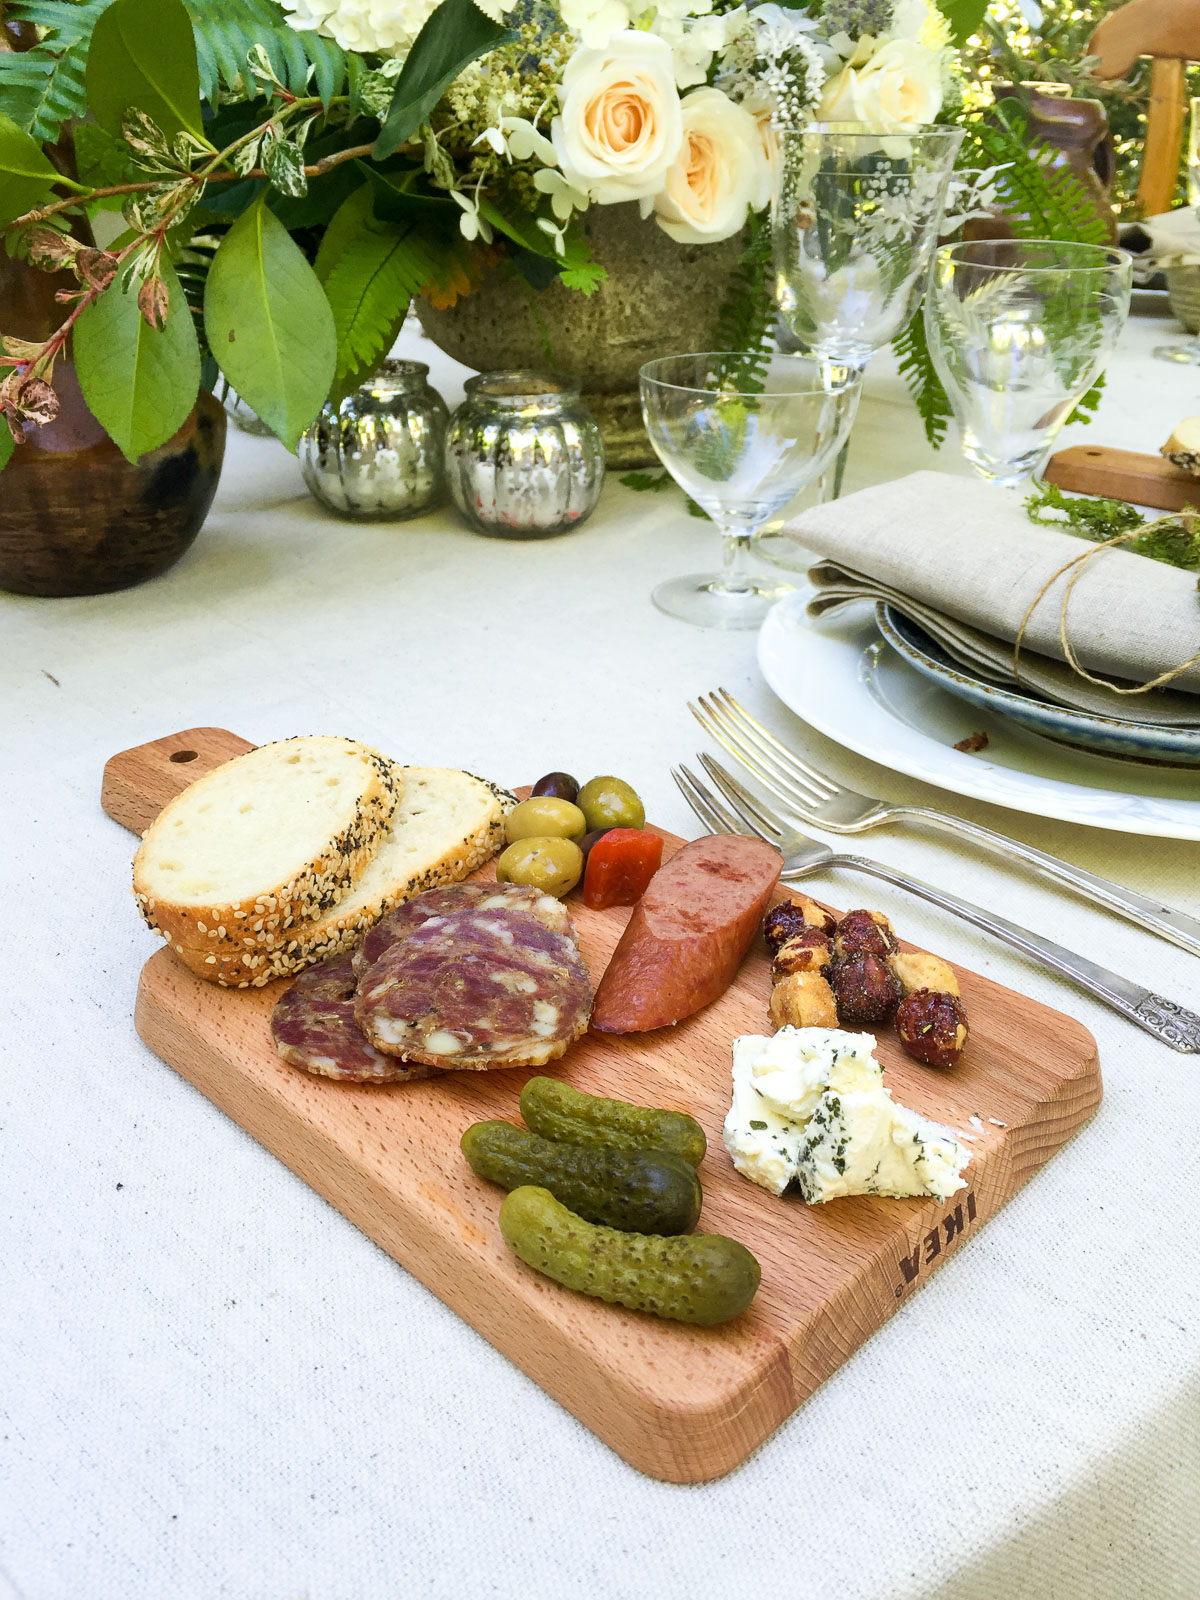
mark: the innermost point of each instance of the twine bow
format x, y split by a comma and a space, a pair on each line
1068, 651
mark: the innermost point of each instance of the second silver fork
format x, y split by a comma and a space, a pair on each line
816, 798
1170, 1023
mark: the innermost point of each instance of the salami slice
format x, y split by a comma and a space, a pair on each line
477, 989
402, 921
314, 1028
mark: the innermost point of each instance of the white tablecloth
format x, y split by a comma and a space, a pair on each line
215, 1386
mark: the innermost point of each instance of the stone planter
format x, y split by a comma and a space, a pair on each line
661, 298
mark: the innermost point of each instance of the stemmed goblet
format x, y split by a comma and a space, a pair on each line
854, 223
743, 443
1019, 330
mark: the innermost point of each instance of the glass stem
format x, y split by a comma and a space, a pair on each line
838, 374
735, 567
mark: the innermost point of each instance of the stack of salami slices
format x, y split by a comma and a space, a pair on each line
461, 978
286, 855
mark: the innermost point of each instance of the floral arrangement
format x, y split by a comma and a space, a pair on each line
290, 176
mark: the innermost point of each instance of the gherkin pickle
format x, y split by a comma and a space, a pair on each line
557, 1111
702, 1278
638, 1191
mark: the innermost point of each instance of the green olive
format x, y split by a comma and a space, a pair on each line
611, 803
544, 818
554, 866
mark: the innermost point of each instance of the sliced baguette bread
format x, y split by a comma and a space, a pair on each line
446, 825
264, 843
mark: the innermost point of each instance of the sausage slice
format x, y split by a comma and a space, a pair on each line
688, 933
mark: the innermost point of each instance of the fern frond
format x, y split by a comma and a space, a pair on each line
370, 271
919, 373
42, 88
747, 314
226, 31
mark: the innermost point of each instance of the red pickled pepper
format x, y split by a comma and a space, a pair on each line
619, 867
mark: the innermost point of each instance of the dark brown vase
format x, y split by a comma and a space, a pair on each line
75, 516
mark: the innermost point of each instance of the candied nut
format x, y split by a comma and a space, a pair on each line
932, 1026
864, 933
808, 951
866, 988
790, 917
917, 970
803, 1000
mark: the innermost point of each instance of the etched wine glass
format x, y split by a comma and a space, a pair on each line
1019, 330
854, 223
742, 441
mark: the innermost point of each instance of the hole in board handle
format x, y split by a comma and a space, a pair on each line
183, 755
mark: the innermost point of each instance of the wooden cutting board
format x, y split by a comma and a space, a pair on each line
682, 1404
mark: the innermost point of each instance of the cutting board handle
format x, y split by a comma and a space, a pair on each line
139, 782
1123, 475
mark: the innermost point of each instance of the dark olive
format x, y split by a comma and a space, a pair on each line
557, 785
589, 839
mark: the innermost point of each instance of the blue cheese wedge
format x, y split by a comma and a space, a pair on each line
810, 1107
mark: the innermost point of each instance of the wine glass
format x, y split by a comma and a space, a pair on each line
854, 222
1019, 330
742, 442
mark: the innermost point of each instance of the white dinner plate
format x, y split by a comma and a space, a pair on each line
839, 676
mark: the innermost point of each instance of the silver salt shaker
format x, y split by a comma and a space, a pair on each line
378, 455
524, 456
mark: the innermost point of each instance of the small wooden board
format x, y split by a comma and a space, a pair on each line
682, 1404
1143, 480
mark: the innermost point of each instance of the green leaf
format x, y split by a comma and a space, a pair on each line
143, 54
41, 88
269, 325
453, 36
964, 16
924, 384
7, 443
140, 383
370, 270
26, 177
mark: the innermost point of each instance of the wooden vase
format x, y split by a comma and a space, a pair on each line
75, 516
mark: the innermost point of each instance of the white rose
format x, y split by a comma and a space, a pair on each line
720, 172
621, 126
900, 86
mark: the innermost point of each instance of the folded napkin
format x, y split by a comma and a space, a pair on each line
1174, 239
963, 560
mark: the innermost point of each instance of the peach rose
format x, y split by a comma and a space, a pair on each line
720, 172
621, 126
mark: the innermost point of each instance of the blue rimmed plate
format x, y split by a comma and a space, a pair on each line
1110, 736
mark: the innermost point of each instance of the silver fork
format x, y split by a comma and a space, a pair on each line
1168, 1022
816, 798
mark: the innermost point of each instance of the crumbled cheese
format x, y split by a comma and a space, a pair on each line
810, 1106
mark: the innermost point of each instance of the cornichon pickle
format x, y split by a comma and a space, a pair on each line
693, 1277
640, 1191
557, 1111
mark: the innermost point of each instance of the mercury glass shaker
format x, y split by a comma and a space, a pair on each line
524, 456
378, 455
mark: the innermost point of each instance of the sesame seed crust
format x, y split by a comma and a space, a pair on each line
244, 962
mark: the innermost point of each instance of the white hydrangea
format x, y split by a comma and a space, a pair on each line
373, 27
594, 21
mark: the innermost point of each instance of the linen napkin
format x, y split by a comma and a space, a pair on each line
963, 560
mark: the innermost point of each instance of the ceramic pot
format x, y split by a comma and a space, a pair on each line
660, 298
1078, 136
75, 516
